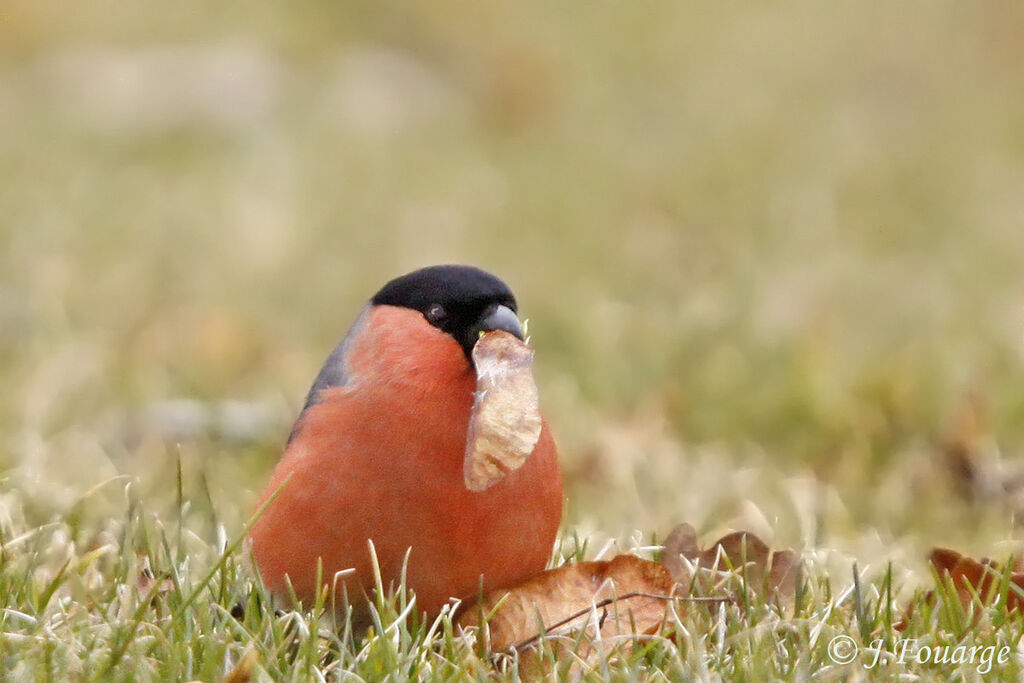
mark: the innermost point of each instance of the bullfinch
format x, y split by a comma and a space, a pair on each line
377, 454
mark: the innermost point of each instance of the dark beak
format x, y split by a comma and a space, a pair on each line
499, 317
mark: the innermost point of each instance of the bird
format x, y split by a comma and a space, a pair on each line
371, 479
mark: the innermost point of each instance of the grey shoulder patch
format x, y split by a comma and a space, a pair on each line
334, 373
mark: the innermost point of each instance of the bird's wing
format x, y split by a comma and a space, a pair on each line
334, 373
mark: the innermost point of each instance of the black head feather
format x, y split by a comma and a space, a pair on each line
455, 299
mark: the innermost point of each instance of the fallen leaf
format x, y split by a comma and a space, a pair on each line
739, 554
629, 595
784, 574
973, 580
625, 595
242, 673
505, 424
679, 544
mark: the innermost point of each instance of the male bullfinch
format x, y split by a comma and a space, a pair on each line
377, 455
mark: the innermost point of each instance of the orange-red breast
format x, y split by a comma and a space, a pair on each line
377, 454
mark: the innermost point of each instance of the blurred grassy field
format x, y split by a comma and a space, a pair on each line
771, 255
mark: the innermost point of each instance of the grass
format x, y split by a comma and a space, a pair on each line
144, 599
770, 257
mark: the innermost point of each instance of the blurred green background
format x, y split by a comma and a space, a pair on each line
770, 254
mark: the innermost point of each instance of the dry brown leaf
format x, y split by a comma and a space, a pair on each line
564, 599
970, 577
740, 553
506, 423
980, 576
625, 595
590, 609
242, 673
680, 543
783, 576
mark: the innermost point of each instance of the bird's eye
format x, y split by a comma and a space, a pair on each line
435, 313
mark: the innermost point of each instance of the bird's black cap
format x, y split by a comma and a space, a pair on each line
460, 300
